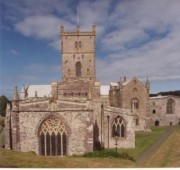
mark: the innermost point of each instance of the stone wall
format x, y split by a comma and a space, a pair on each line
80, 137
158, 111
129, 140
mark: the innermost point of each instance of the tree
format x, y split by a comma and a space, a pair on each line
3, 103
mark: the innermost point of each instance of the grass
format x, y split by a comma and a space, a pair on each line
167, 155
19, 159
144, 140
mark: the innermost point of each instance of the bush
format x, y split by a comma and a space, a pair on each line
108, 154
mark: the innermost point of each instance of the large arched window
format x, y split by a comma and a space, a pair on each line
134, 104
78, 69
170, 106
53, 137
118, 127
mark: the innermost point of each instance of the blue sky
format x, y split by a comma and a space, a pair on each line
134, 38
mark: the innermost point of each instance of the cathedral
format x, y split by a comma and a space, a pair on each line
77, 114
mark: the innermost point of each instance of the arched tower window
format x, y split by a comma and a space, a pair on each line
134, 104
87, 72
69, 72
53, 137
170, 106
118, 127
78, 69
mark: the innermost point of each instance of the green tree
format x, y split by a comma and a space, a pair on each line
3, 103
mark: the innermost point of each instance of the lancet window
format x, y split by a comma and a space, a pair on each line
170, 106
78, 69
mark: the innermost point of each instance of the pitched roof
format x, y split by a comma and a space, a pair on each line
113, 83
42, 90
104, 90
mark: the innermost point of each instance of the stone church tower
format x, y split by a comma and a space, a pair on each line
78, 55
78, 66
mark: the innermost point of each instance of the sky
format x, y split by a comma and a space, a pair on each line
134, 38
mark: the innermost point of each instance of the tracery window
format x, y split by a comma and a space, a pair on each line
53, 137
170, 106
118, 127
78, 69
134, 104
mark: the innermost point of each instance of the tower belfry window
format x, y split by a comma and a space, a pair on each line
78, 69
76, 44
79, 44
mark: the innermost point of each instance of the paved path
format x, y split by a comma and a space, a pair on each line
141, 159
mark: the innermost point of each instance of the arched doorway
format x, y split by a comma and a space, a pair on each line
156, 123
53, 137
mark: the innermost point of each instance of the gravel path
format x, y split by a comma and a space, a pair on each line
142, 158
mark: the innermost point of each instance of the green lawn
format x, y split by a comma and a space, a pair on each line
144, 140
167, 155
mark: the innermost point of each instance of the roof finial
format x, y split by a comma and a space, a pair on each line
77, 16
15, 94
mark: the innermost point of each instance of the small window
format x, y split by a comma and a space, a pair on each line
76, 44
79, 44
69, 72
154, 111
135, 90
87, 72
74, 56
134, 104
137, 121
82, 56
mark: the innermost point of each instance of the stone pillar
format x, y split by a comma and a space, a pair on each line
15, 130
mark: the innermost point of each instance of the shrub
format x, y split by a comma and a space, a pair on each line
108, 154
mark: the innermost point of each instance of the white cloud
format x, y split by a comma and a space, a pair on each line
125, 46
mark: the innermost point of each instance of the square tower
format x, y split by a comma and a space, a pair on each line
78, 55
